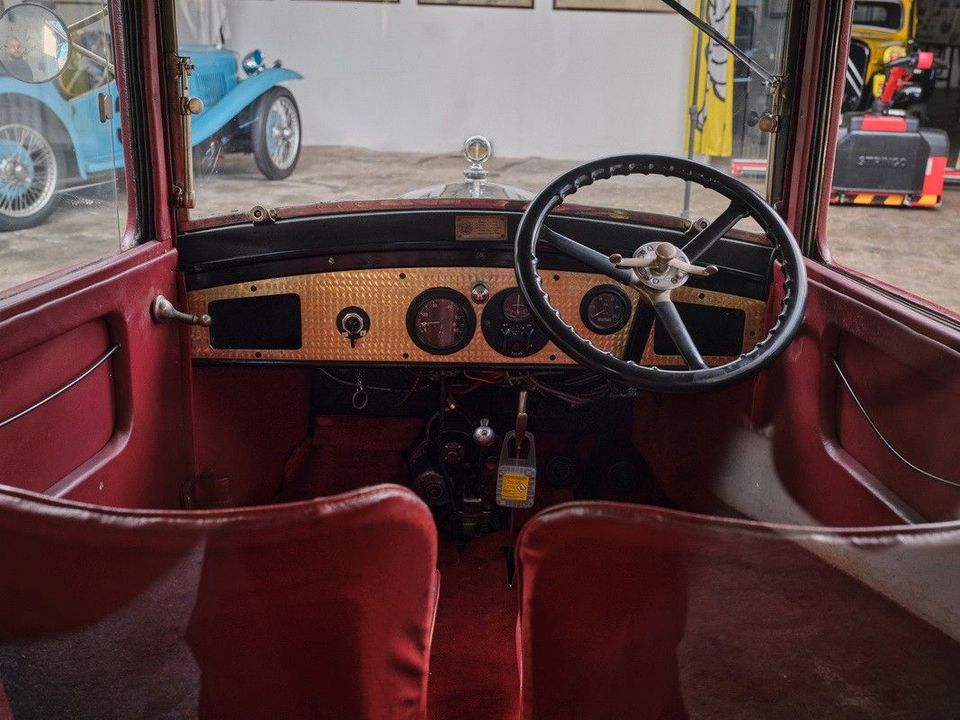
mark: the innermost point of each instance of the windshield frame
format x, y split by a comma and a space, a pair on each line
778, 154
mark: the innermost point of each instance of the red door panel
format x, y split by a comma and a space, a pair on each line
914, 403
904, 367
118, 436
74, 425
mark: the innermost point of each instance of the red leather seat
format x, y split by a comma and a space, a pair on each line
319, 609
638, 613
600, 617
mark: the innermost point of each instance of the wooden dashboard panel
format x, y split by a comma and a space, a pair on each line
386, 294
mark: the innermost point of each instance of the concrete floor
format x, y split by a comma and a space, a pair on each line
913, 249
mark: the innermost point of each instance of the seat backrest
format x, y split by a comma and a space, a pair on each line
319, 609
637, 612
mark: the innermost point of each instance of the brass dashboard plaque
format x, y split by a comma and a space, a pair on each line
386, 294
481, 227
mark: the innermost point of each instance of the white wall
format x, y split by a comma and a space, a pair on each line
557, 84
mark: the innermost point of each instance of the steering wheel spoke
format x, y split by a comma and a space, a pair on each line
658, 268
721, 225
596, 261
672, 322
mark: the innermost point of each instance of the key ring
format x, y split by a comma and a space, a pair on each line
360, 397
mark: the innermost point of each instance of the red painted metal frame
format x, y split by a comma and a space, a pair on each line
806, 106
160, 141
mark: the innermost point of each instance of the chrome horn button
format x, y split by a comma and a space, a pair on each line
660, 274
661, 266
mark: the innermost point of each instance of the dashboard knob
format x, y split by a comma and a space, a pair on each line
483, 434
480, 293
352, 323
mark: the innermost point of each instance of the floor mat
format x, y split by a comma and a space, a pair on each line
343, 454
473, 667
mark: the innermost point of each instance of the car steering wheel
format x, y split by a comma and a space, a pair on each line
657, 268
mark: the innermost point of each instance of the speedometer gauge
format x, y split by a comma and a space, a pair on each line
441, 321
605, 309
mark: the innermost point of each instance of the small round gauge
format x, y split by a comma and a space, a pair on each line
508, 325
515, 307
441, 321
605, 309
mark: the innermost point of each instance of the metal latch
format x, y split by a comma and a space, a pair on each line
162, 309
259, 215
183, 191
105, 106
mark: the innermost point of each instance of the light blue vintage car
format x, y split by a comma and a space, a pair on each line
54, 135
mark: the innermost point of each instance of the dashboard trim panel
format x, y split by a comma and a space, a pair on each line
386, 295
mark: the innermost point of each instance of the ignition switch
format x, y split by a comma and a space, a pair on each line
353, 323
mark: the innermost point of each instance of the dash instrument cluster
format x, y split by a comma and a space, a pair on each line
459, 315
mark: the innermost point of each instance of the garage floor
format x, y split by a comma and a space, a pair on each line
913, 249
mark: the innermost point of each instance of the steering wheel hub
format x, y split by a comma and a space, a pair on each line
662, 273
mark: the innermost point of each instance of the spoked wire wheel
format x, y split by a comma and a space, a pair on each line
28, 177
276, 134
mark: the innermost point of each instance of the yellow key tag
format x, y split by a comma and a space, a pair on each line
517, 476
515, 487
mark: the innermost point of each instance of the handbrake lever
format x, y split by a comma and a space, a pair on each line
520, 429
517, 474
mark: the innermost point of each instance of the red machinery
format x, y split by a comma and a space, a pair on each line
887, 158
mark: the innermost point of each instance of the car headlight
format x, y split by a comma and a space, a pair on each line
252, 62
894, 52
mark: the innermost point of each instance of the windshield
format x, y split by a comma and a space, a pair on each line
883, 15
375, 101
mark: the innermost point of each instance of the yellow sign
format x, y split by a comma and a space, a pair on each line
515, 487
711, 81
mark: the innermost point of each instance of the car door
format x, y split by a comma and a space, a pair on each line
865, 420
91, 405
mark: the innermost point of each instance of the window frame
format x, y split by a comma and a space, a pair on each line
820, 148
125, 27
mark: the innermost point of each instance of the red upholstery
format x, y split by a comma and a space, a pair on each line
632, 612
319, 609
599, 625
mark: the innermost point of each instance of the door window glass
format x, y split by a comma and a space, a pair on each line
62, 197
895, 197
883, 15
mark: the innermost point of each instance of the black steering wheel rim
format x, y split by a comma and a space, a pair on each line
786, 250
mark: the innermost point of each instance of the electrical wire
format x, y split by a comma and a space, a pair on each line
577, 390
353, 383
891, 448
